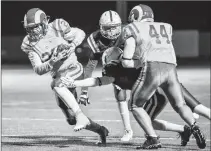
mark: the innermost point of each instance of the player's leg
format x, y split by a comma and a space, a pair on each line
174, 93
121, 97
203, 111
142, 90
94, 127
99, 129
68, 97
156, 104
194, 104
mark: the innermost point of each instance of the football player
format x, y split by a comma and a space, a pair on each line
51, 48
124, 78
98, 42
148, 44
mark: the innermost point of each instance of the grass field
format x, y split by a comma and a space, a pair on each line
31, 119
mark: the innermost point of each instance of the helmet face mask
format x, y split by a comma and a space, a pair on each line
35, 32
110, 25
36, 23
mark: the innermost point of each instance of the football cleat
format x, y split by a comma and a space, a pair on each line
185, 136
199, 136
127, 136
103, 134
150, 143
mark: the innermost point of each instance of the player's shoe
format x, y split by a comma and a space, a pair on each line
185, 136
82, 122
199, 136
103, 134
127, 136
150, 143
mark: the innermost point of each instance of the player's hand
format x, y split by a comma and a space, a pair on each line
70, 48
84, 98
68, 82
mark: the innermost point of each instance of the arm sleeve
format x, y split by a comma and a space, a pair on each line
93, 82
72, 34
129, 49
75, 35
90, 67
39, 67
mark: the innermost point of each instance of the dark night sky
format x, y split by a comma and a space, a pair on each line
85, 15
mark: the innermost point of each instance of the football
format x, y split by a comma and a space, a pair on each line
110, 55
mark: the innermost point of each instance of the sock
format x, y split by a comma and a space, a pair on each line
125, 115
203, 111
167, 126
68, 98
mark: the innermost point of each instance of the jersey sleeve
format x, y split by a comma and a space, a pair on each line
91, 40
39, 67
127, 32
71, 34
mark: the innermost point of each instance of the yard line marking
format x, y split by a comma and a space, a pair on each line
109, 137
100, 110
40, 119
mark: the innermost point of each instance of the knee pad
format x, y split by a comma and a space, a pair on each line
120, 94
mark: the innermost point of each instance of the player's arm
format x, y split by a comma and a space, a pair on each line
91, 65
128, 52
89, 82
73, 35
39, 67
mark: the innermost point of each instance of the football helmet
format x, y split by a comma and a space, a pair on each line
110, 25
141, 13
36, 23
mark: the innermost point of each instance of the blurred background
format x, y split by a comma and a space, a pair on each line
191, 21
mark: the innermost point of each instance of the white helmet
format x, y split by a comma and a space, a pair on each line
110, 25
141, 13
35, 23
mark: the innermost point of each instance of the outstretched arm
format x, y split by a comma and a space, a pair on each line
89, 82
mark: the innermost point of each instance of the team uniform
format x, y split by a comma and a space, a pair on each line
151, 43
125, 79
98, 42
39, 52
155, 52
51, 48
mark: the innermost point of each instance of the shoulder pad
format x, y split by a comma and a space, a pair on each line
61, 25
96, 35
126, 32
92, 39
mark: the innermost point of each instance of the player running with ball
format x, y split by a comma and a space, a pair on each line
51, 48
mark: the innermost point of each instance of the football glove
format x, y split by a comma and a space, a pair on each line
84, 98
